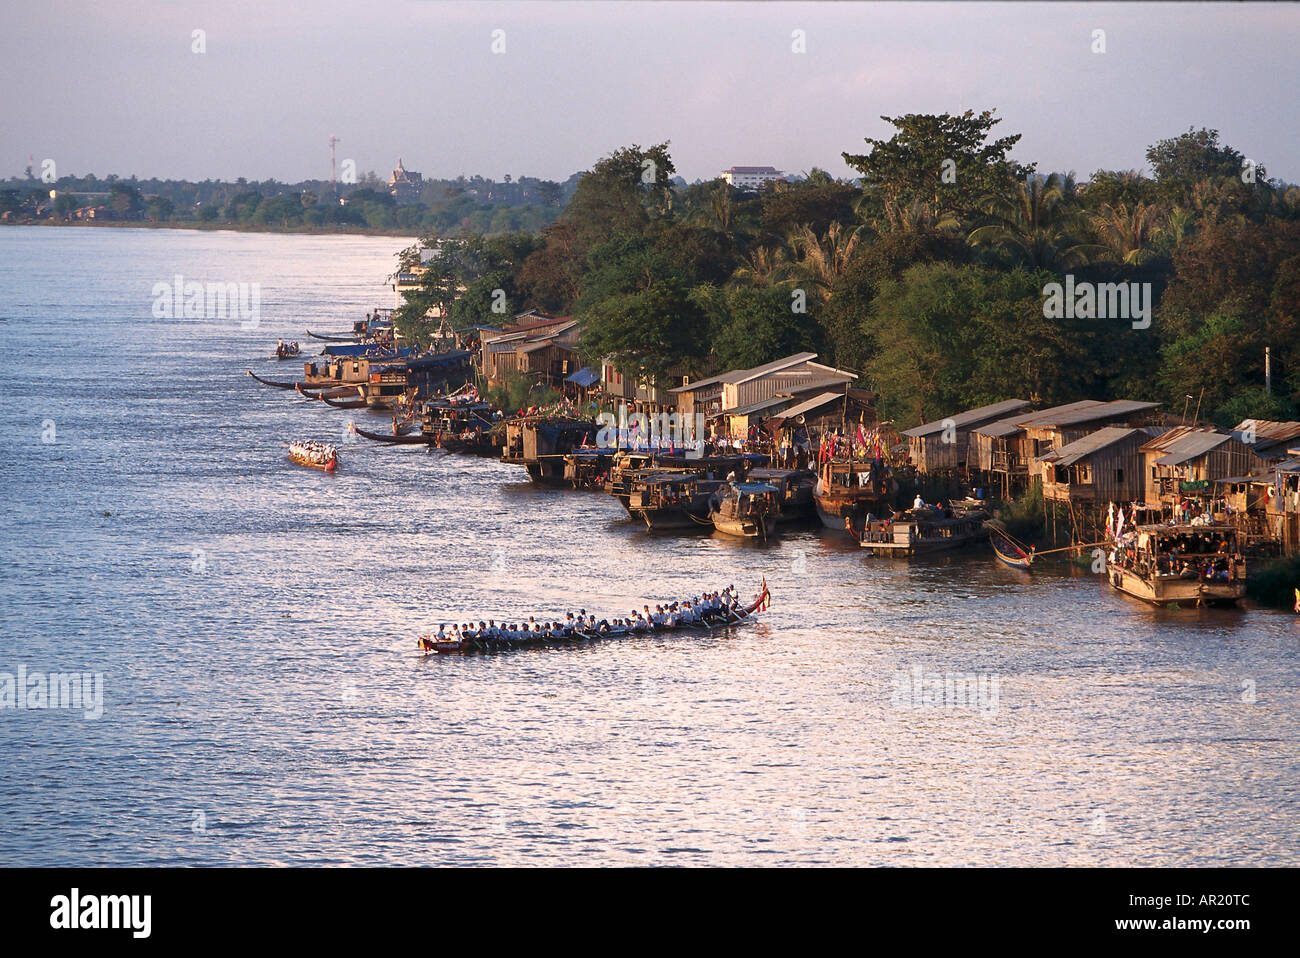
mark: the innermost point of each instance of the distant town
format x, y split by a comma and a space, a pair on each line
348, 202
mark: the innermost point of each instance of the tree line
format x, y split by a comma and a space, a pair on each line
443, 206
927, 275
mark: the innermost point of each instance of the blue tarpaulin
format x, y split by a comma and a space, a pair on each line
586, 377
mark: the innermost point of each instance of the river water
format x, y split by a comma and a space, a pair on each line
263, 702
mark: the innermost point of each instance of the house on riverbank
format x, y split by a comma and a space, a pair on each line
1100, 467
742, 394
1187, 461
944, 443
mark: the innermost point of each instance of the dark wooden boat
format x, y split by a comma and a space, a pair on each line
417, 440
344, 403
1010, 552
529, 640
848, 490
332, 339
746, 509
917, 532
672, 501
324, 395
796, 488
293, 384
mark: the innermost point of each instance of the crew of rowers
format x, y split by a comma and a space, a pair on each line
283, 349
711, 606
309, 450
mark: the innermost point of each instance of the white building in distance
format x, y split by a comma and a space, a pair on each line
751, 177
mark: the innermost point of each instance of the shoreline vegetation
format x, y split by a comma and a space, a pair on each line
947, 275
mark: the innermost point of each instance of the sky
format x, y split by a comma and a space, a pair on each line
116, 86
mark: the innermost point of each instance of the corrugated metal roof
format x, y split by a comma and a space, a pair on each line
757, 406
1000, 429
809, 405
1087, 410
1175, 433
980, 414
1072, 452
1268, 432
744, 375
1189, 446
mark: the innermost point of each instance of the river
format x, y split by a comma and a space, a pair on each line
263, 702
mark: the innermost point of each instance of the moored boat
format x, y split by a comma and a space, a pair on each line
1179, 565
848, 490
923, 531
292, 384
672, 500
415, 440
1009, 552
746, 509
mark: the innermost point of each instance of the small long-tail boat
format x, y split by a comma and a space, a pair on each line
716, 621
325, 394
344, 403
1009, 552
417, 440
281, 384
333, 339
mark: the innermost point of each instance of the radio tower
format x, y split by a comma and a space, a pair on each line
334, 178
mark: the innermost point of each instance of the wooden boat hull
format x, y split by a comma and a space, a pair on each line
332, 339
1010, 555
747, 527
344, 403
322, 466
280, 384
676, 519
1025, 564
1171, 590
390, 440
910, 537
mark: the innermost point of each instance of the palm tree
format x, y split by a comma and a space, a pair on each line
822, 261
1128, 235
1034, 225
916, 217
762, 265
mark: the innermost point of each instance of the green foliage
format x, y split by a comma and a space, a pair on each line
910, 166
648, 330
951, 337
517, 392
1193, 156
1275, 583
751, 326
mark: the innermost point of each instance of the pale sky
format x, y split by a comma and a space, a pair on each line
114, 87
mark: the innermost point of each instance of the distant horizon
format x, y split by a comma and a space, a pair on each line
547, 88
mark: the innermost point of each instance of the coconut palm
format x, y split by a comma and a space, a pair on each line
820, 262
1034, 225
762, 265
915, 217
1129, 235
